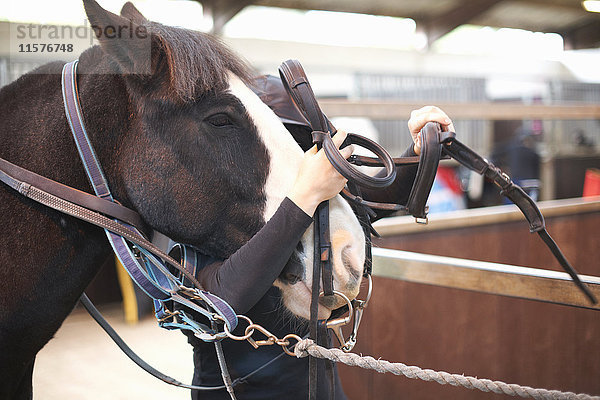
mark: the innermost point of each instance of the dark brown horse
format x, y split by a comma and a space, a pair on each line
182, 140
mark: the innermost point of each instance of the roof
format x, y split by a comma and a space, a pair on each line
579, 28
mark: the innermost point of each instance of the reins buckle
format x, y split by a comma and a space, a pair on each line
325, 251
422, 221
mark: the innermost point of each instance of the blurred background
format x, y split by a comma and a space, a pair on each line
521, 81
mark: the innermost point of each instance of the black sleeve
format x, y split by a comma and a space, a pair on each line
245, 277
398, 191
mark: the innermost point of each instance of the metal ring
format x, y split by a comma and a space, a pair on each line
234, 337
369, 291
287, 338
347, 319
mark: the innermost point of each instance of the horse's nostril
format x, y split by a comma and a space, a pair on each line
291, 278
347, 257
293, 270
329, 301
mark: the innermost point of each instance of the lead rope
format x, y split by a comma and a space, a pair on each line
307, 347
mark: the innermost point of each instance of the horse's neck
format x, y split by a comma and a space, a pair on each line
49, 258
34, 132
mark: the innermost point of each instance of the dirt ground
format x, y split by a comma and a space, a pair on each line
82, 362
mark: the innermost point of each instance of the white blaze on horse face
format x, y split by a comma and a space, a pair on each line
348, 252
347, 237
284, 153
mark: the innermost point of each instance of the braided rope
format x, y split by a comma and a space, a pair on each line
307, 347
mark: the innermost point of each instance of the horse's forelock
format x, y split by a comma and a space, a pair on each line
197, 62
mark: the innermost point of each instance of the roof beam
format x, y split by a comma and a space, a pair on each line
440, 25
222, 11
583, 37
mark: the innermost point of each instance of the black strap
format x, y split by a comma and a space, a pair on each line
517, 195
97, 316
313, 373
431, 152
325, 257
93, 311
296, 84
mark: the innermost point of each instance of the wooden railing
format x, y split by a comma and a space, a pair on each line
398, 110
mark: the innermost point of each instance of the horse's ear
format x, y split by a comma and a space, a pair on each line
127, 41
130, 12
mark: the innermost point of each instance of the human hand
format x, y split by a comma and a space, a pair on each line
317, 179
420, 117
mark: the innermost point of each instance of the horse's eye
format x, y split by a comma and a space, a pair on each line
219, 120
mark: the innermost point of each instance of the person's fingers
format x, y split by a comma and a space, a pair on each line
418, 140
347, 151
339, 138
313, 150
420, 117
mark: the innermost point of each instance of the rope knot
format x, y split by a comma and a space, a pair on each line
301, 348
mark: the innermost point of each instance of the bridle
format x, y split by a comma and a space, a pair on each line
298, 88
436, 144
148, 264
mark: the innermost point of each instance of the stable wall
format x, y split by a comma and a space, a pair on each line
513, 340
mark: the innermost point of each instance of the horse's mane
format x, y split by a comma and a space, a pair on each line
198, 62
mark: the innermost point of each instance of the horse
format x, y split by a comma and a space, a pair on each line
183, 141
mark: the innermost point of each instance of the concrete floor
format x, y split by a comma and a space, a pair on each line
82, 362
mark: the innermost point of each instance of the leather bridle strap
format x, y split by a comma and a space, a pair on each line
91, 202
98, 181
297, 84
516, 194
431, 153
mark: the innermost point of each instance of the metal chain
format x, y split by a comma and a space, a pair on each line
307, 347
270, 340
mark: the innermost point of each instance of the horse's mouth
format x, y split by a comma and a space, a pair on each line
326, 306
331, 302
298, 298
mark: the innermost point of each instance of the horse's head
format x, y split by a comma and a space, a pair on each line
204, 160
